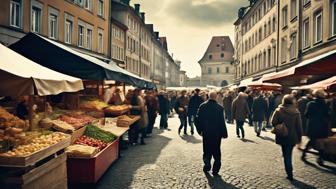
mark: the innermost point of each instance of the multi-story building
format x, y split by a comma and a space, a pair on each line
238, 50
217, 62
82, 24
308, 29
256, 39
158, 66
145, 48
118, 42
183, 78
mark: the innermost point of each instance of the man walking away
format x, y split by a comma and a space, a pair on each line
210, 124
259, 109
240, 112
164, 109
152, 107
250, 104
227, 102
181, 107
194, 103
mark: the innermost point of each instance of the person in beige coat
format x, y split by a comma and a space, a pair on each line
138, 107
240, 112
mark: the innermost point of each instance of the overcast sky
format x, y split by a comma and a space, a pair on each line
190, 24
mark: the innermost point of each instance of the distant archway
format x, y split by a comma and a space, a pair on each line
224, 83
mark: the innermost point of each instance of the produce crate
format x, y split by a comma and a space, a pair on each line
35, 157
89, 170
116, 112
126, 123
50, 175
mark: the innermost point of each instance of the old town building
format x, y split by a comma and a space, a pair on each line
256, 39
81, 24
158, 66
183, 78
217, 62
118, 49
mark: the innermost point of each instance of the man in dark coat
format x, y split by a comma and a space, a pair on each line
302, 106
317, 114
250, 104
259, 108
227, 103
181, 107
152, 109
194, 103
210, 124
164, 109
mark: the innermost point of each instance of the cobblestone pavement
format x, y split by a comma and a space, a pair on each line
171, 161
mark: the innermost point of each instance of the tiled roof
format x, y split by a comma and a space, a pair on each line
219, 46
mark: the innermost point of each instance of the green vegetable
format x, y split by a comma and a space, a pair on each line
97, 133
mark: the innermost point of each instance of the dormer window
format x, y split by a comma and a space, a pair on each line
210, 56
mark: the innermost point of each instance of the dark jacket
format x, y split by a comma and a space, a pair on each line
210, 121
259, 108
227, 102
194, 103
250, 101
302, 106
181, 102
164, 104
317, 114
152, 105
291, 117
240, 109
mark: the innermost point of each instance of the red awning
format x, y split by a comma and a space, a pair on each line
264, 86
317, 67
327, 84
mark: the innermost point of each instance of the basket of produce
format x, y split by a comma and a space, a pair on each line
92, 104
126, 121
117, 110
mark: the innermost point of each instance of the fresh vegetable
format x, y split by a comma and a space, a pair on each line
85, 140
97, 133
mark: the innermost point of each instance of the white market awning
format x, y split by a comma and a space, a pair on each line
21, 76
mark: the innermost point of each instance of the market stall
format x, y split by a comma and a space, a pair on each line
29, 159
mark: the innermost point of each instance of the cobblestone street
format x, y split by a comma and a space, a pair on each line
171, 161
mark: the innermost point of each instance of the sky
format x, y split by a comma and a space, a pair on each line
190, 24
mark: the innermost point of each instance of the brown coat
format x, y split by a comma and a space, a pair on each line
292, 119
240, 109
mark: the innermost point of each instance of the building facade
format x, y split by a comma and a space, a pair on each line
183, 78
81, 24
217, 62
118, 42
256, 34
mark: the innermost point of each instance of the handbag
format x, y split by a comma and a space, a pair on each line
280, 130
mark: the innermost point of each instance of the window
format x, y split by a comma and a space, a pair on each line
293, 46
81, 36
89, 39
68, 31
283, 50
265, 30
333, 19
36, 19
209, 71
88, 4
210, 56
15, 13
269, 57
218, 70
79, 2
318, 27
53, 26
293, 9
101, 8
305, 34
274, 24
284, 16
226, 69
100, 41
305, 2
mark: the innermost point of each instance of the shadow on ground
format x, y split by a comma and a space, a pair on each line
267, 138
217, 182
121, 173
301, 185
191, 139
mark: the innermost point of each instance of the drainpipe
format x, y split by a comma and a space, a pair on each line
278, 37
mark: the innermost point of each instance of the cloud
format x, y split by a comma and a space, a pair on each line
210, 13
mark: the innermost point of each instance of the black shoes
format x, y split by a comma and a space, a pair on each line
206, 168
215, 174
290, 178
179, 131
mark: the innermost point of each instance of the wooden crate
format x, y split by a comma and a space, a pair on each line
50, 175
35, 157
89, 170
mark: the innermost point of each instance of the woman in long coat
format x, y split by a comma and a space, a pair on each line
288, 115
138, 107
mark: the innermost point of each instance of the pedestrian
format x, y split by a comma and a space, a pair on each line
317, 114
240, 112
194, 103
181, 108
152, 107
173, 98
210, 124
220, 98
288, 115
259, 108
302, 106
117, 98
164, 109
227, 102
138, 107
250, 98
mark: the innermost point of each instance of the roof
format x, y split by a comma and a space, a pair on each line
164, 43
219, 45
119, 24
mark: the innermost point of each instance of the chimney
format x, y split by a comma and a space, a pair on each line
137, 8
157, 35
143, 16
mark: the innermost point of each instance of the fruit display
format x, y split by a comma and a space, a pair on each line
89, 141
9, 120
117, 110
93, 104
78, 150
97, 133
125, 121
77, 121
36, 144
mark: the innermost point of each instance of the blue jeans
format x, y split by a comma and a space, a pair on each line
164, 121
287, 151
191, 120
258, 126
240, 127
